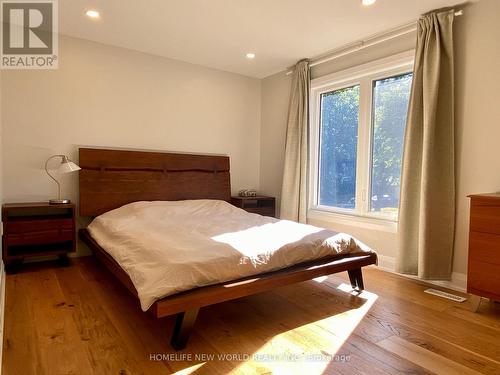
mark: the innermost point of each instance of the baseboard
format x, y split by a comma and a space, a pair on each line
2, 309
458, 280
386, 263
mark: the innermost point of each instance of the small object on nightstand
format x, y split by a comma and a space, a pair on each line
247, 193
37, 229
261, 205
66, 166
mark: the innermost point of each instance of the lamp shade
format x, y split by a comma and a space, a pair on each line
67, 166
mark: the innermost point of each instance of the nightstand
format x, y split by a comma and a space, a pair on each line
261, 205
37, 229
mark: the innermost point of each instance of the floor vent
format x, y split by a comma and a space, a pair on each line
440, 293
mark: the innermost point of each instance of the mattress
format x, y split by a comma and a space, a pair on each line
168, 247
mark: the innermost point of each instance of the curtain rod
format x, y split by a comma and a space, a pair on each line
364, 43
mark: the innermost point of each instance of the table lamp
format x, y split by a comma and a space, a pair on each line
66, 166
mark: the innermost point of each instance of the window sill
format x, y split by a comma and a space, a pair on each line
365, 222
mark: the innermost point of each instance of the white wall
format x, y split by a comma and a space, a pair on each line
275, 97
114, 97
477, 52
477, 77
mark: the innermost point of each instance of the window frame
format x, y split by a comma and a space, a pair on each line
364, 76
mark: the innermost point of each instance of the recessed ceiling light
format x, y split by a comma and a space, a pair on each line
92, 14
250, 55
368, 2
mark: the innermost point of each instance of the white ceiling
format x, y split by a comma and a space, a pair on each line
219, 33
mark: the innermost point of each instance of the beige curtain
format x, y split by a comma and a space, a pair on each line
427, 205
293, 191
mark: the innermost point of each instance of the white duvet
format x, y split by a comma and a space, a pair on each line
171, 246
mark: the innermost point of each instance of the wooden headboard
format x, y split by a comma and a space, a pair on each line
112, 178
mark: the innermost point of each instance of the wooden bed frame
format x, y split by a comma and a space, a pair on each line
111, 178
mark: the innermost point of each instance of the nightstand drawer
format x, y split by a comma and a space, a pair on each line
23, 226
41, 237
485, 217
484, 247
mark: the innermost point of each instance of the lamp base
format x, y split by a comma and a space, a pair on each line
59, 201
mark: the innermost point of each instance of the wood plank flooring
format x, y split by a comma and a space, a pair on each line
80, 320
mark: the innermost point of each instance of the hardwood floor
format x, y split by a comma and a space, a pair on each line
80, 320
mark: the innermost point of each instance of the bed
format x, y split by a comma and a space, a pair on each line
152, 209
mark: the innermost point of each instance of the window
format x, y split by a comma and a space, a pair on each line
338, 148
358, 120
390, 106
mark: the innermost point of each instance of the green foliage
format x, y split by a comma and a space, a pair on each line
390, 105
339, 133
339, 137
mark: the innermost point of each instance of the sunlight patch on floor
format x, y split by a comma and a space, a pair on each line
343, 324
189, 370
310, 348
320, 279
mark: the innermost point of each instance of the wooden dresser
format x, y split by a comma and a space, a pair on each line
483, 275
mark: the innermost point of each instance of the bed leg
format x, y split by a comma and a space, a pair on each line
184, 322
356, 278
